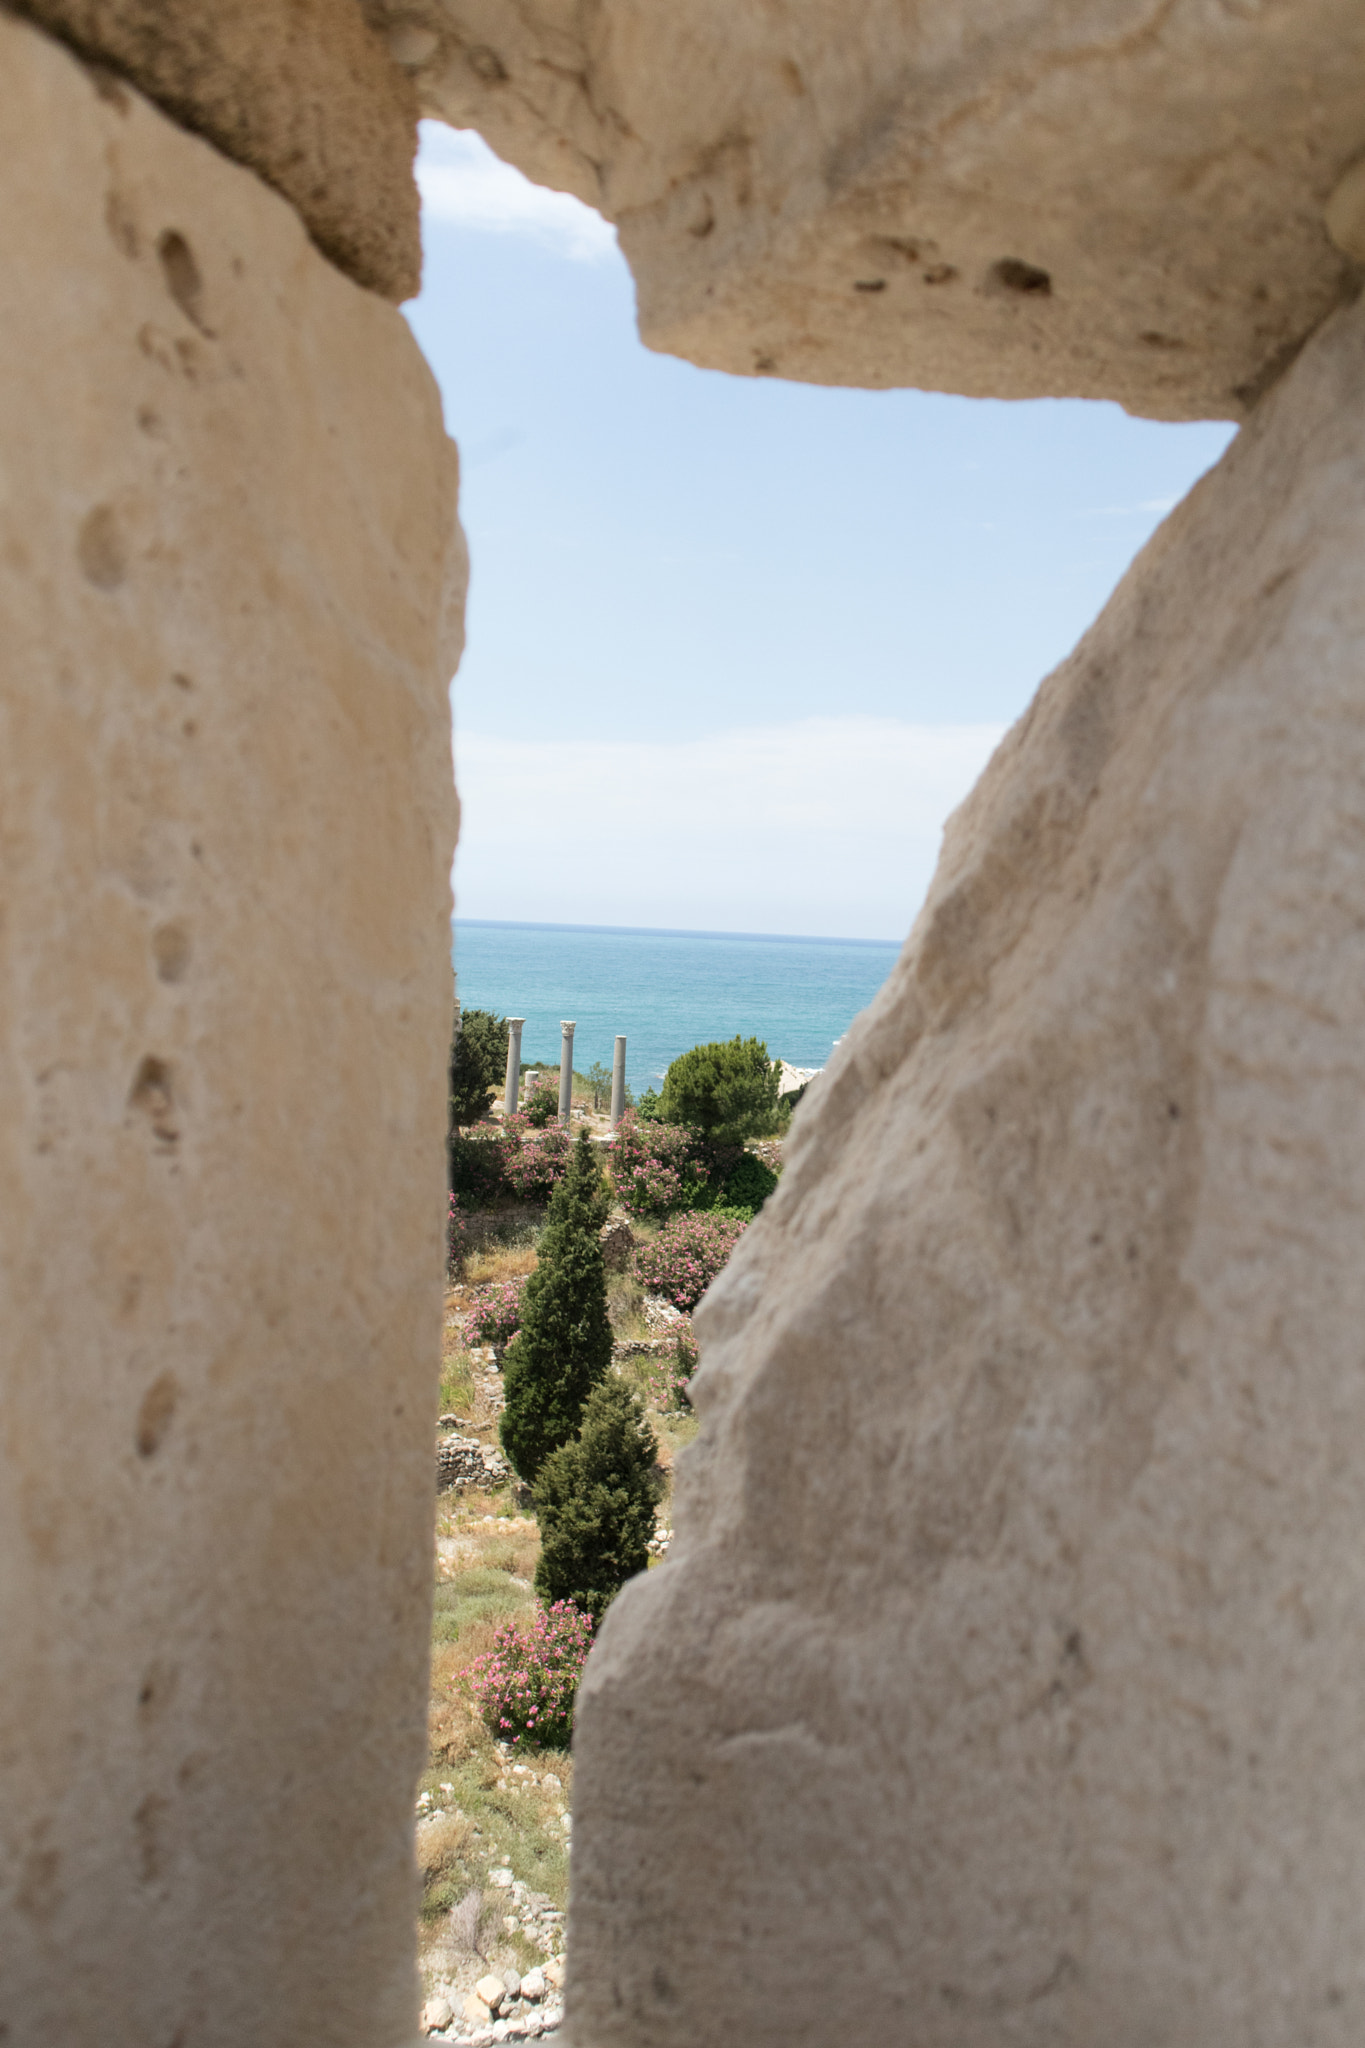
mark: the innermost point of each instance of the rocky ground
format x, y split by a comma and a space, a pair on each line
493, 1827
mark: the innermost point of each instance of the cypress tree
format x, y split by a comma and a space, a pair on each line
478, 1061
596, 1500
563, 1347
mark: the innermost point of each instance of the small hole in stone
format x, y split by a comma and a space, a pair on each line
487, 65
181, 273
939, 273
765, 365
154, 1416
171, 951
151, 1094
100, 549
869, 284
1022, 277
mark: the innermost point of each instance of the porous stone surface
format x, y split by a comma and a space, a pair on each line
229, 585
307, 92
1011, 1646
1012, 198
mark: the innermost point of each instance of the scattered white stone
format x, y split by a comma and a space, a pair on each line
533, 1985
503, 1878
436, 2013
554, 1973
491, 1990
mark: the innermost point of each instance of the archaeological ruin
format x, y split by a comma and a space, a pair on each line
1056, 1319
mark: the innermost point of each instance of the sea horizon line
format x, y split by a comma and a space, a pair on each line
650, 931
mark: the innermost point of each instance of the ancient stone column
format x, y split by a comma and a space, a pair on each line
618, 1082
566, 1032
512, 1091
229, 583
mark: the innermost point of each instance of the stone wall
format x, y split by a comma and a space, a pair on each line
1003, 1685
229, 586
1021, 1714
1116, 199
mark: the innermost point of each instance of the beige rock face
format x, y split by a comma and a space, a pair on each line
1012, 1641
307, 92
1099, 198
228, 572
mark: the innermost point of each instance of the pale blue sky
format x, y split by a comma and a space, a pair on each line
829, 602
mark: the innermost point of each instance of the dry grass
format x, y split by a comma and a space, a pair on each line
493, 1809
442, 1846
499, 1262
626, 1306
458, 1391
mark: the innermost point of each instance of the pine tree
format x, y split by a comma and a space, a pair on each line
563, 1347
727, 1091
596, 1500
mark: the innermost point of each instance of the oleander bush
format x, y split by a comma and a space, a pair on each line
656, 1168
524, 1687
493, 1162
682, 1261
542, 1100
477, 1167
596, 1499
495, 1316
534, 1162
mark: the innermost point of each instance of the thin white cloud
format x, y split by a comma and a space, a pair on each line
1143, 506
462, 182
824, 825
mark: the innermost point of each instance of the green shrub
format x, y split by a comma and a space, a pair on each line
478, 1065
563, 1347
596, 1500
647, 1108
749, 1185
542, 1101
478, 1164
728, 1091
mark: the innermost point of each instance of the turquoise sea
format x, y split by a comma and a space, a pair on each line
667, 990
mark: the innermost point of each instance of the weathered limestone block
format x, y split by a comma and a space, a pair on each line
229, 584
1033, 1701
1011, 198
307, 92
